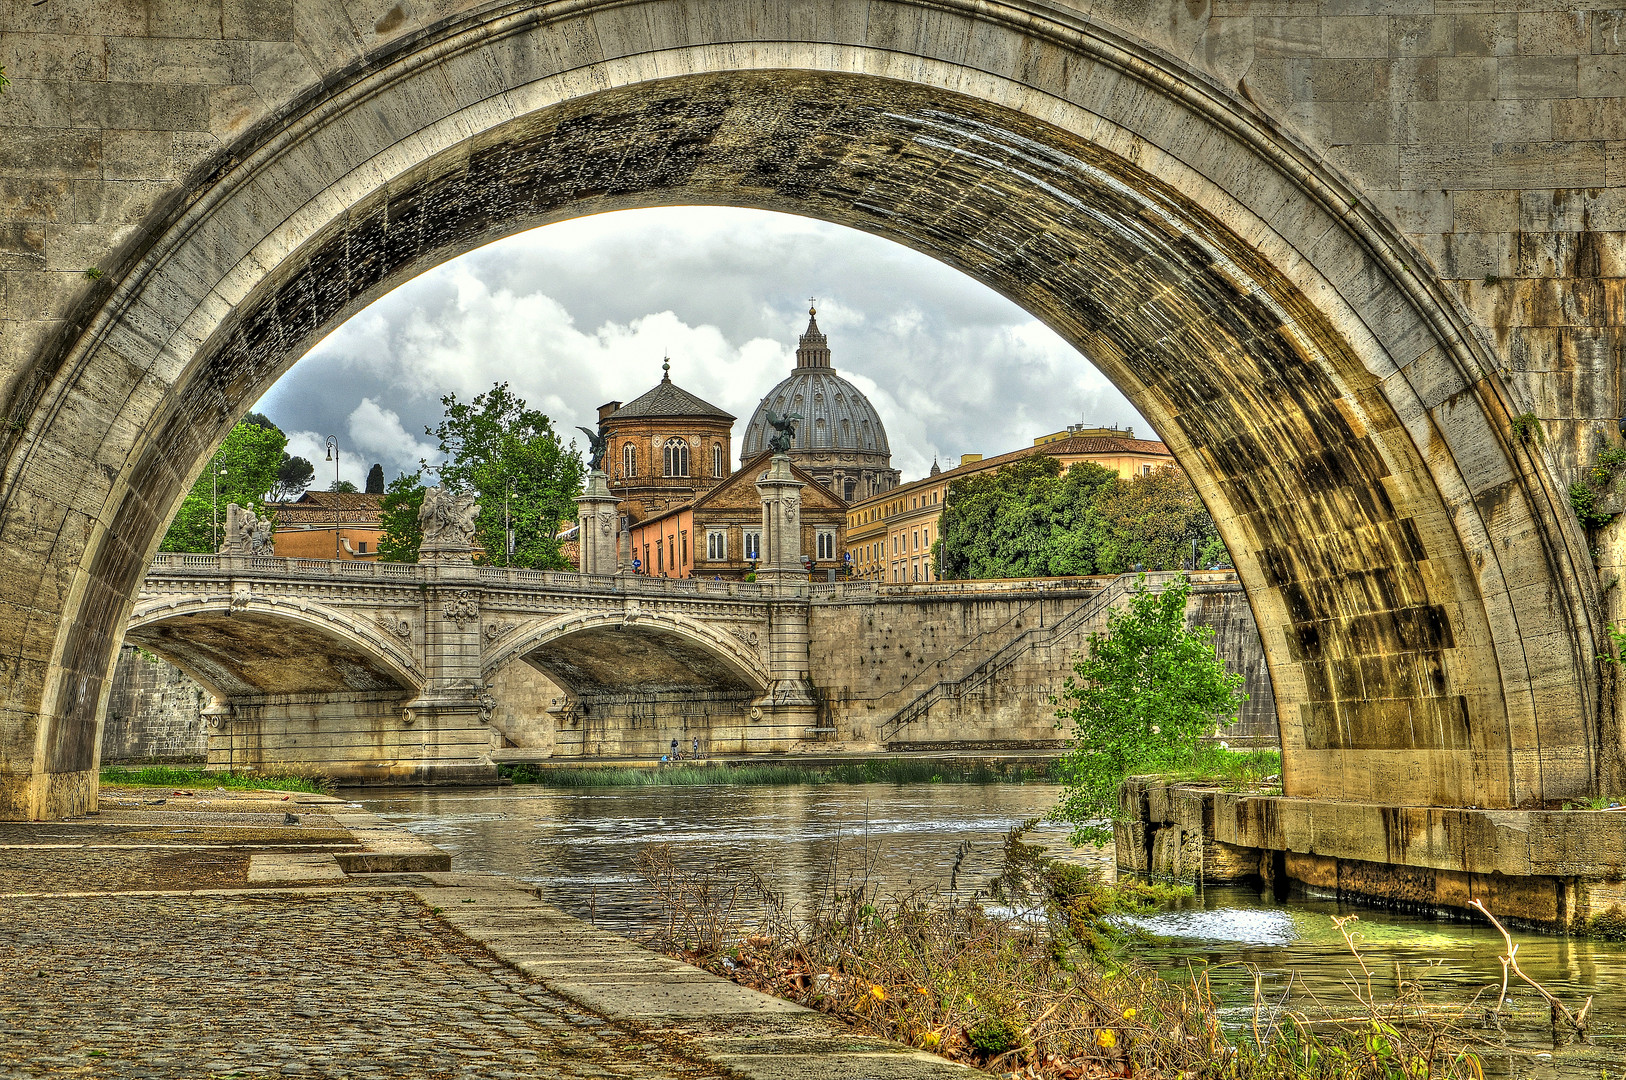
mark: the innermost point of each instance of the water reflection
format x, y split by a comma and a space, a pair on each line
579, 846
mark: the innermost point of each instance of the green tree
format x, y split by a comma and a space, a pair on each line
294, 476
375, 479
1028, 519
1140, 697
245, 468
400, 504
509, 455
1151, 521
347, 487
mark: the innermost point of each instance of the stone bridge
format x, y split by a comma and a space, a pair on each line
379, 672
1360, 265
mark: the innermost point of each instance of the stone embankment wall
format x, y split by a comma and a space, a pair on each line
155, 711
1552, 869
943, 669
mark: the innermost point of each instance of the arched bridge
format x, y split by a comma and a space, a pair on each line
393, 672
379, 670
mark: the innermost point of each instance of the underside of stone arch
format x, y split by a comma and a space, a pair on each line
255, 654
631, 660
1423, 596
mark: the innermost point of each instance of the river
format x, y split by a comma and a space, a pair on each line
579, 846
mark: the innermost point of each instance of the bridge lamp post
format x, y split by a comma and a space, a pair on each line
333, 456
215, 473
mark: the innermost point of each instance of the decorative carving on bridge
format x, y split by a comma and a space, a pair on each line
606, 523
401, 628
241, 593
488, 706
462, 608
447, 520
792, 503
240, 522
497, 630
749, 637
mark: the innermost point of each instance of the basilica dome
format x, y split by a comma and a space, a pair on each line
840, 438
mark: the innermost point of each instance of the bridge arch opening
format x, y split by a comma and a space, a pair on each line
291, 688
609, 655
1425, 598
251, 654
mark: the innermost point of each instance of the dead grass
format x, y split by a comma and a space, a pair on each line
1044, 985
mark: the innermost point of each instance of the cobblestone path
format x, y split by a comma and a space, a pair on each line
330, 985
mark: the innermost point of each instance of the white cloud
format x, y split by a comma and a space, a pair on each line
580, 313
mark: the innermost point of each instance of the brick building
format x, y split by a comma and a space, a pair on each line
719, 534
666, 447
329, 525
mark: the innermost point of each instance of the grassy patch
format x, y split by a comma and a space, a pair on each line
180, 777
1233, 769
880, 771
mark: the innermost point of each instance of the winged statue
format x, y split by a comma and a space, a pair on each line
598, 444
784, 428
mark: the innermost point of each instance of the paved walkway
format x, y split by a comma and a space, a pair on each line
132, 944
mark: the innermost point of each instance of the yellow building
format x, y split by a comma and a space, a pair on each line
889, 537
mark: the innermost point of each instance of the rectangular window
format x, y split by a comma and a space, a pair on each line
660, 556
685, 547
917, 539
753, 546
716, 545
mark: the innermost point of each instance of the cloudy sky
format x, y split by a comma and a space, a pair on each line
580, 313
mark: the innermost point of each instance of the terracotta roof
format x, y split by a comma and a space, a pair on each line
668, 399
345, 500
351, 507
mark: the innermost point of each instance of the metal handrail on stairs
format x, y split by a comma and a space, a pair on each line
1003, 657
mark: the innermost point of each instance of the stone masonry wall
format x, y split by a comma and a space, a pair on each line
876, 659
153, 711
1495, 139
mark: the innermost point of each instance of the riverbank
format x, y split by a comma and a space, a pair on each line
888, 769
206, 932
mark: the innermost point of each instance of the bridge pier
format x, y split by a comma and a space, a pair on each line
451, 717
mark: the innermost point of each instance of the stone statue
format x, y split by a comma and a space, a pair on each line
784, 428
447, 517
598, 445
239, 534
260, 541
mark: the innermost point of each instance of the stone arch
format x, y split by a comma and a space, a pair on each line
1428, 606
646, 651
224, 645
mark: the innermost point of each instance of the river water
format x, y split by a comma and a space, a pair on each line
579, 846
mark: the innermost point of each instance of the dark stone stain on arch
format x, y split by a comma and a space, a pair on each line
1017, 205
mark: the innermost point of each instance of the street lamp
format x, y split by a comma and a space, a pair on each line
333, 456
215, 473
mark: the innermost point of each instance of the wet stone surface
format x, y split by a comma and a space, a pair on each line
266, 985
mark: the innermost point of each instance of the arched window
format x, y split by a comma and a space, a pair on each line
677, 457
717, 463
629, 460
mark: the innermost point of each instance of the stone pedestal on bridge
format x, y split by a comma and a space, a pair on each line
781, 555
596, 532
790, 702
